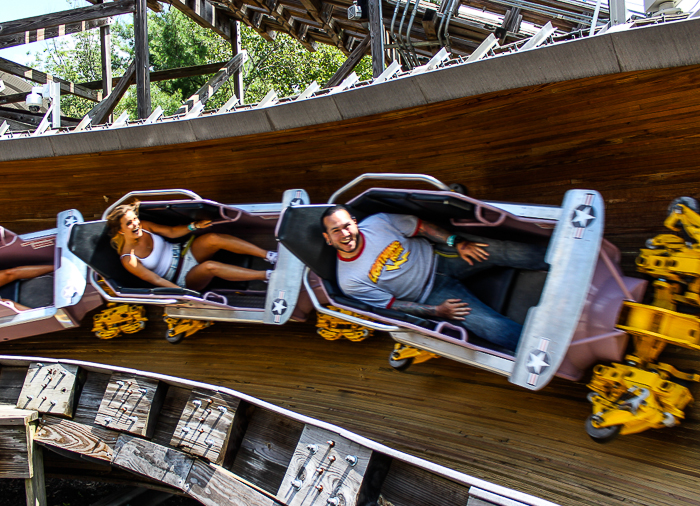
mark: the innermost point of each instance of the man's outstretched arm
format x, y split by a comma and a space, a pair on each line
453, 309
469, 251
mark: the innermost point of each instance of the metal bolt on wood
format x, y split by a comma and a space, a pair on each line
312, 448
331, 443
351, 459
297, 484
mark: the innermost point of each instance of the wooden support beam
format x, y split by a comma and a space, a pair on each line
236, 50
155, 461
165, 75
102, 111
13, 98
376, 28
213, 485
350, 64
94, 442
324, 16
20, 456
57, 19
106, 58
211, 87
40, 77
205, 14
154, 5
49, 33
141, 60
35, 487
30, 118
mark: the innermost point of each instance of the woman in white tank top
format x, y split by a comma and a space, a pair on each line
145, 253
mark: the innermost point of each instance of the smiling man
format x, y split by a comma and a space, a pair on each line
389, 261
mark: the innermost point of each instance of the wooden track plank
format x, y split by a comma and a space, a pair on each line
94, 442
213, 485
151, 460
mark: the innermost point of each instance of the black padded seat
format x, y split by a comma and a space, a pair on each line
33, 293
90, 242
301, 232
508, 291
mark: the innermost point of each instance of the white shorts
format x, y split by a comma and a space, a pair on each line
188, 263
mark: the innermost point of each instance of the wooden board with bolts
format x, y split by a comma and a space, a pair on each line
131, 404
50, 389
205, 425
325, 469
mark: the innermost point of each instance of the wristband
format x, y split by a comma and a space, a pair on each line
451, 240
191, 227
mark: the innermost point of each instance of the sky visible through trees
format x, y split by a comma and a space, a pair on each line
176, 41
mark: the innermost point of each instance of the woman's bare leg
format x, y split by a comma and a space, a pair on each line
205, 246
23, 272
200, 275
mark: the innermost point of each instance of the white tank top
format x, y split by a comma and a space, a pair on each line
161, 256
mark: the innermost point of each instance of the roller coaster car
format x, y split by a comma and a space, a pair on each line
569, 313
55, 301
186, 310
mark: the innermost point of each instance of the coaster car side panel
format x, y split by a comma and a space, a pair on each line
572, 255
55, 301
230, 303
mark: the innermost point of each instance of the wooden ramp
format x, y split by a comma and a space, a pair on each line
454, 415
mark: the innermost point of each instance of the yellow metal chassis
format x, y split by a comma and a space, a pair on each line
331, 327
118, 318
644, 393
179, 328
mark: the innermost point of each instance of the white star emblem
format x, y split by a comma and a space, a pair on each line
70, 220
537, 362
279, 306
583, 216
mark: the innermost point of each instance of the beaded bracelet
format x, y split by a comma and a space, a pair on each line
191, 227
451, 241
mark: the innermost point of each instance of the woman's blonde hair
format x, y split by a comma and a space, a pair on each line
114, 220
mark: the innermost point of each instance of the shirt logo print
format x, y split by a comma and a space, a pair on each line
394, 253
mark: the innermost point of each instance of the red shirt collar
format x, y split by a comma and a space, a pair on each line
353, 258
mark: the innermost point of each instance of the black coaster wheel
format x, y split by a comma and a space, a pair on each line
602, 435
174, 338
401, 364
459, 188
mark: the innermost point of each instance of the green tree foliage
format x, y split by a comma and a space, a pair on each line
176, 41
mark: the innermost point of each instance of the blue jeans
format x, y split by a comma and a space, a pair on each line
482, 320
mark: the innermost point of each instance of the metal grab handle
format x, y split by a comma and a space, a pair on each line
146, 193
462, 332
223, 211
483, 220
389, 176
346, 317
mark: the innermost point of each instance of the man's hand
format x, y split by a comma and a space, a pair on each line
472, 251
453, 309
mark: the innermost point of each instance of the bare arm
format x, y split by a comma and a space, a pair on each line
173, 232
134, 266
469, 251
453, 309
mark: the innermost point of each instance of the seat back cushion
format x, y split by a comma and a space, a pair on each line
36, 292
90, 242
301, 232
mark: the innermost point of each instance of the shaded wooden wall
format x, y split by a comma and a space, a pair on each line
634, 137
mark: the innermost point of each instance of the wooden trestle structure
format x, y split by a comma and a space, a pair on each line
616, 113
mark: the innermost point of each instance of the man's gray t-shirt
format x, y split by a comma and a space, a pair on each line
392, 264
